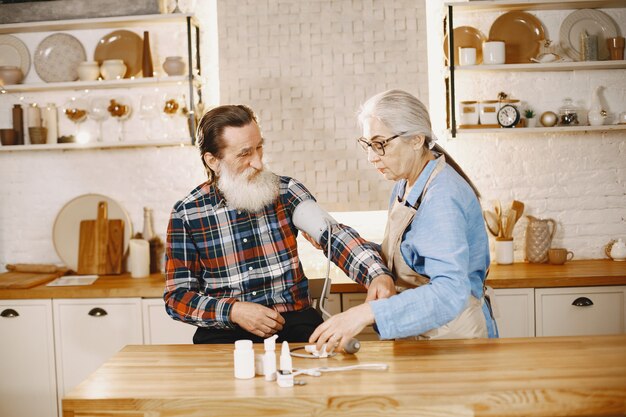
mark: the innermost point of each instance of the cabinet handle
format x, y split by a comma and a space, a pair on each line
582, 302
97, 312
9, 313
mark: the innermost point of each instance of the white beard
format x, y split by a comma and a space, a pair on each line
247, 191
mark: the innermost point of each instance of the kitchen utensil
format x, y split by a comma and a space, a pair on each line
100, 245
39, 268
124, 45
520, 31
20, 280
66, 229
14, 52
498, 210
518, 206
592, 21
492, 222
539, 233
466, 37
510, 223
57, 58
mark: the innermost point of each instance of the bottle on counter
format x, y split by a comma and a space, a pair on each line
156, 245
51, 122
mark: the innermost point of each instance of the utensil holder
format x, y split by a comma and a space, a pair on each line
504, 251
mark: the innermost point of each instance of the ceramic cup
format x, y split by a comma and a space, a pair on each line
113, 69
504, 251
8, 137
489, 112
174, 65
467, 56
558, 256
493, 52
10, 75
616, 47
38, 135
88, 71
468, 114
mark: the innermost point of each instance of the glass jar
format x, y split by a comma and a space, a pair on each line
568, 113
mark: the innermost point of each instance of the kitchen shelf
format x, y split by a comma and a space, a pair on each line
93, 145
95, 85
98, 23
554, 129
550, 66
507, 6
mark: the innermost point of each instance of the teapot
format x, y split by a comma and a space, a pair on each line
616, 250
539, 233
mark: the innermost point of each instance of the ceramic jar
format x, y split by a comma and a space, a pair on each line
10, 75
113, 69
174, 65
616, 250
88, 71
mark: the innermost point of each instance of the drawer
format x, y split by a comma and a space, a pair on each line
580, 311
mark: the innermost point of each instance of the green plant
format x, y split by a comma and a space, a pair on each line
529, 113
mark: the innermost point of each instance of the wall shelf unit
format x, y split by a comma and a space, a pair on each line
554, 129
93, 145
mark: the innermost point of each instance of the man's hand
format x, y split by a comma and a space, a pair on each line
340, 328
381, 287
256, 318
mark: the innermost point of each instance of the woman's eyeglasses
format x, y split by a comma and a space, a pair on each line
378, 146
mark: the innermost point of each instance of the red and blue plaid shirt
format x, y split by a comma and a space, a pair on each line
216, 255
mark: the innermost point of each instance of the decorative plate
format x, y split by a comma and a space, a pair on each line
66, 229
466, 37
594, 22
124, 45
57, 58
521, 33
13, 52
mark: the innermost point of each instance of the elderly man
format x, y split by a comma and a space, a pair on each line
232, 265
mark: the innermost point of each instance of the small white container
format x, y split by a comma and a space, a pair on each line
174, 65
139, 258
244, 359
467, 56
489, 112
504, 251
88, 71
113, 69
468, 113
494, 53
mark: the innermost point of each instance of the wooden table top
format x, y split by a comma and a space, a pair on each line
519, 275
542, 376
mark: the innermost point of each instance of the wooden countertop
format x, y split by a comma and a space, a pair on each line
519, 275
483, 377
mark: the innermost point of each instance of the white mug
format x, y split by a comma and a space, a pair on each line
493, 53
467, 56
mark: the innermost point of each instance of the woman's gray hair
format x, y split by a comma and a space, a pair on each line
401, 112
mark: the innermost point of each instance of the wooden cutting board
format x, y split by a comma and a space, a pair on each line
19, 280
101, 244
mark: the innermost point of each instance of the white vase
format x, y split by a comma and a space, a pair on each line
88, 71
174, 65
113, 69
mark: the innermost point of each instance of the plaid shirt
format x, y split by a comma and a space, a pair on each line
216, 256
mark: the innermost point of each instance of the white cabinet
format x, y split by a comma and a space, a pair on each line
353, 300
580, 311
27, 371
90, 331
160, 328
514, 311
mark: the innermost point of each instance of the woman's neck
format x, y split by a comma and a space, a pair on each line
420, 163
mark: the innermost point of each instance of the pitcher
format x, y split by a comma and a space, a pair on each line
539, 233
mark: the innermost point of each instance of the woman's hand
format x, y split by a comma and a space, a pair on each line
381, 287
340, 328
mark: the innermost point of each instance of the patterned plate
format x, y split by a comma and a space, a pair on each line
57, 58
594, 22
13, 52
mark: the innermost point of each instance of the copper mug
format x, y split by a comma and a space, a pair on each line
616, 47
558, 256
8, 137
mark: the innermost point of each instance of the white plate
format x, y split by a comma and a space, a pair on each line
57, 58
13, 52
66, 229
594, 22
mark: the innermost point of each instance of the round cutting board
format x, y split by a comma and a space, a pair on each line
66, 229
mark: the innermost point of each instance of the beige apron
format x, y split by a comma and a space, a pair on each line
471, 322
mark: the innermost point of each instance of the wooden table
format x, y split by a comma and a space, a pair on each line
507, 377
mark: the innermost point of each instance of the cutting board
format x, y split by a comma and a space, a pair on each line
19, 280
101, 244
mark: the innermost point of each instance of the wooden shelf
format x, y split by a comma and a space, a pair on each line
555, 129
95, 85
507, 6
94, 145
550, 66
97, 23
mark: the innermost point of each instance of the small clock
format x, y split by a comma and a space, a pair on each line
508, 116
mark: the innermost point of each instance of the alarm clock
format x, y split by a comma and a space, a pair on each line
508, 116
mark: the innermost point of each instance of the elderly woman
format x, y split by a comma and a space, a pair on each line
435, 240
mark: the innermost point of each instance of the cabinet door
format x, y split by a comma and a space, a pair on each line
90, 331
580, 311
514, 311
352, 300
27, 380
159, 328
